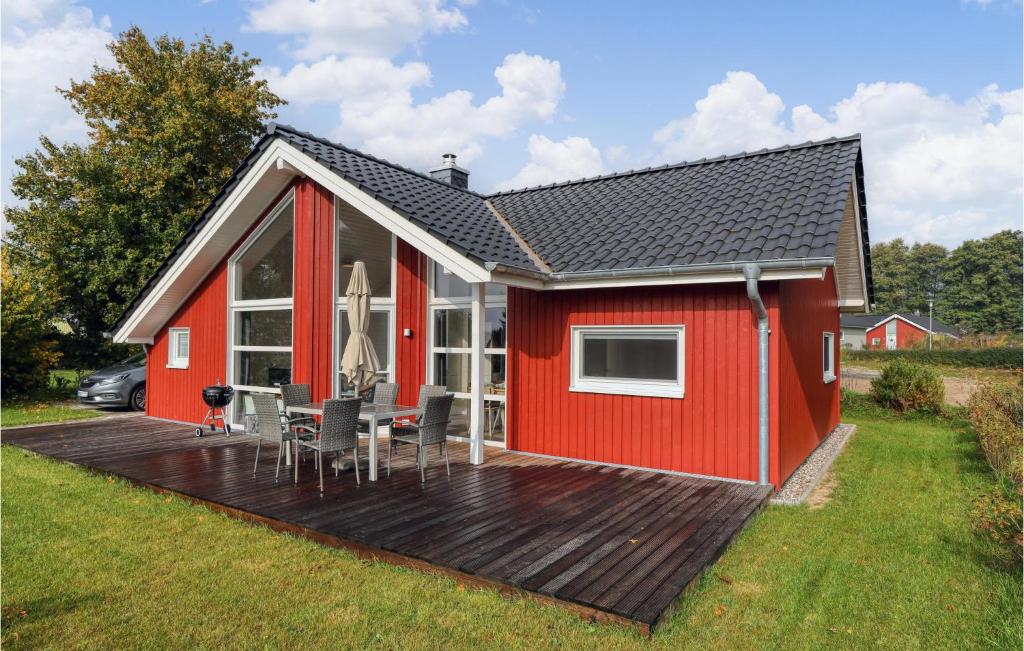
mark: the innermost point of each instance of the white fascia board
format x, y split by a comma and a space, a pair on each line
419, 238
255, 190
860, 238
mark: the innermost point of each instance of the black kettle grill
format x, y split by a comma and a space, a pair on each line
217, 397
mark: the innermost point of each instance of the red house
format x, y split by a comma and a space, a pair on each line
892, 332
683, 318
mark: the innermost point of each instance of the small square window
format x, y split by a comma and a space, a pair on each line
177, 347
828, 357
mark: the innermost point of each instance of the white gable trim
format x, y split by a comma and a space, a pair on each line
912, 324
268, 176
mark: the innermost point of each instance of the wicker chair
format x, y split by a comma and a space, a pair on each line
430, 429
293, 395
271, 428
337, 434
405, 427
384, 393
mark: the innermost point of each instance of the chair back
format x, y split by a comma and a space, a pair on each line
338, 427
434, 421
428, 391
293, 395
385, 393
268, 417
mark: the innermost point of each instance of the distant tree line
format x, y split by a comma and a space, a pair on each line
976, 287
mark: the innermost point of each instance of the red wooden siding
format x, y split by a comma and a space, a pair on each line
906, 335
313, 312
175, 393
808, 407
712, 430
410, 312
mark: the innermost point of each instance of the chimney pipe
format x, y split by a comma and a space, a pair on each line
450, 173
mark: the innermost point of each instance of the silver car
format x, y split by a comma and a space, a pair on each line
120, 385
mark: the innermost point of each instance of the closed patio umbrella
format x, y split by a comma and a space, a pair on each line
359, 362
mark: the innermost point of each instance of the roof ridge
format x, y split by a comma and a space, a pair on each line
671, 166
272, 127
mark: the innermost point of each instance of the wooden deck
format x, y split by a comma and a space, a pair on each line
613, 543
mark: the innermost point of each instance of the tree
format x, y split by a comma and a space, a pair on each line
926, 266
982, 280
166, 126
27, 331
890, 268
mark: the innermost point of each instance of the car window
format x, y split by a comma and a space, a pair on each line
136, 360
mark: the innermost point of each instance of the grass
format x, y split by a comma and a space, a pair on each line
891, 561
54, 403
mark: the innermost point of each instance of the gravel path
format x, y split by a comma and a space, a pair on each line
806, 477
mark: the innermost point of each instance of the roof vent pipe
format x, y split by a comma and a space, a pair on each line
752, 273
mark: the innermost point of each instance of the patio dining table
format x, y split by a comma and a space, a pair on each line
368, 412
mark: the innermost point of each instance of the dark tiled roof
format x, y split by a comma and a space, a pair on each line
458, 217
865, 321
869, 321
776, 204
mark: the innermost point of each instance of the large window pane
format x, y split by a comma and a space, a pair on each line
263, 328
453, 371
451, 328
448, 285
263, 369
265, 269
494, 327
494, 419
243, 405
361, 238
634, 358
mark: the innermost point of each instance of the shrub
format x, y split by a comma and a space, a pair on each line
1001, 357
905, 386
996, 410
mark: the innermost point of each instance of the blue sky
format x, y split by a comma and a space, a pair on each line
587, 88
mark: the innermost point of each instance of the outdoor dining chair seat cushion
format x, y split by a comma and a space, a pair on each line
412, 438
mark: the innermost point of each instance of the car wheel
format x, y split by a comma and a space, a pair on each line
138, 399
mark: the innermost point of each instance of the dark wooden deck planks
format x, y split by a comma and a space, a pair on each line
621, 541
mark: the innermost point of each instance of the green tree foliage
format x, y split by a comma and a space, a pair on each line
983, 284
166, 126
27, 331
976, 287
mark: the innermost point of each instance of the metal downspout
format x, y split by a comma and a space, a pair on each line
752, 272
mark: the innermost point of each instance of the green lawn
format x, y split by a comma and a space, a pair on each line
54, 403
890, 561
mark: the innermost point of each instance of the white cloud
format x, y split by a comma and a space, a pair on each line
45, 44
550, 161
937, 169
373, 28
377, 110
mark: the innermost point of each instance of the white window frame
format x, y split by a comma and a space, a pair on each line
174, 357
828, 375
377, 304
466, 303
627, 386
236, 305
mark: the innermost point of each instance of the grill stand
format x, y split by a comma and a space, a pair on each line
213, 414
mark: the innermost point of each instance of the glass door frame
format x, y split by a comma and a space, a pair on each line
490, 301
